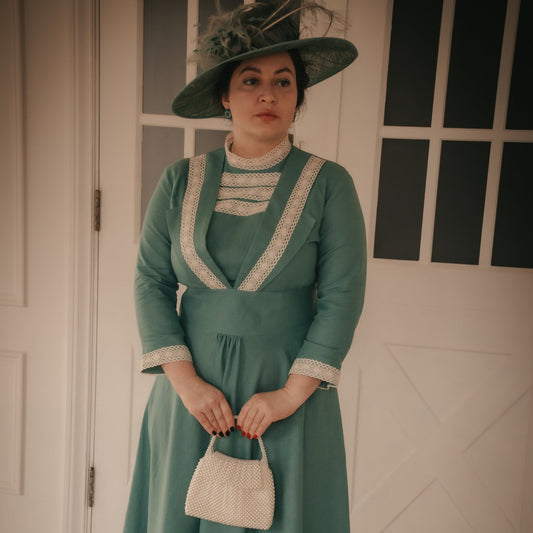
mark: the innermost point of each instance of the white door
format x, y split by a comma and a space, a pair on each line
440, 424
42, 99
436, 394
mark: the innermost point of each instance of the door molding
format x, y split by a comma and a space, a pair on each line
83, 255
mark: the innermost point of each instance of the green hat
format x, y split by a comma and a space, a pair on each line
255, 30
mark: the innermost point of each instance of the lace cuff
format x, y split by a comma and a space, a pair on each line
168, 354
316, 369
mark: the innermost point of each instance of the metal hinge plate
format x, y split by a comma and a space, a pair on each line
90, 488
97, 207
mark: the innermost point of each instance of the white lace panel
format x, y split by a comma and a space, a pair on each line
240, 208
168, 354
188, 222
316, 369
245, 193
272, 158
266, 179
285, 228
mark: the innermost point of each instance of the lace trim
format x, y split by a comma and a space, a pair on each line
285, 228
188, 221
239, 208
316, 369
250, 180
248, 193
168, 354
272, 158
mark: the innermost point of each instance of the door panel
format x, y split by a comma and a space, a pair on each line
441, 438
37, 259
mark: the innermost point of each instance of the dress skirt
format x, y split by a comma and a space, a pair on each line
243, 343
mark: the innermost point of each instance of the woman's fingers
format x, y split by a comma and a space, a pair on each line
208, 405
244, 418
264, 408
204, 401
257, 426
256, 415
261, 428
223, 421
227, 415
206, 423
255, 423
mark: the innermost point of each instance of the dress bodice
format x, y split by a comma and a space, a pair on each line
246, 187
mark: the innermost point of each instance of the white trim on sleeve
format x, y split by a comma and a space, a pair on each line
168, 354
316, 369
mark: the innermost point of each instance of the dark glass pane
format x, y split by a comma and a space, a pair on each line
513, 236
460, 202
474, 63
412, 62
164, 53
402, 184
207, 140
160, 147
520, 112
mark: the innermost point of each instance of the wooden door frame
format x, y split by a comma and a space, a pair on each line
82, 260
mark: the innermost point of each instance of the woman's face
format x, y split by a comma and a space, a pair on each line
262, 98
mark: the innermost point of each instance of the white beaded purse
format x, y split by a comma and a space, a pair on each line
232, 491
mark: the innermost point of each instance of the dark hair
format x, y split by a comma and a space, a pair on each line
302, 79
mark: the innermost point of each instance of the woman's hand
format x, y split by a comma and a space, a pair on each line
205, 402
264, 408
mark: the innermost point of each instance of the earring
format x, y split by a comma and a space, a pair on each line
227, 113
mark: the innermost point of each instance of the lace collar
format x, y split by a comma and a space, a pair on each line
269, 160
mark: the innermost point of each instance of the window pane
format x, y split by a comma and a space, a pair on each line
513, 236
402, 183
474, 63
207, 140
412, 62
460, 202
164, 53
520, 112
160, 147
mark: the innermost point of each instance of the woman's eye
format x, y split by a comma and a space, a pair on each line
250, 81
284, 83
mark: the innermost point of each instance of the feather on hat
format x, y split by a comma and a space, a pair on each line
254, 30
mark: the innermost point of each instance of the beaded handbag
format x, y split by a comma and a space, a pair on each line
232, 491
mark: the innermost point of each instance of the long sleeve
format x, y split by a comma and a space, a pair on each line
161, 333
341, 277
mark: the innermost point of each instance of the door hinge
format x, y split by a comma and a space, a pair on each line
97, 210
90, 488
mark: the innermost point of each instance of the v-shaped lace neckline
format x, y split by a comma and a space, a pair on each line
271, 237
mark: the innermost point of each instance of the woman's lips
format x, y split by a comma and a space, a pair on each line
266, 116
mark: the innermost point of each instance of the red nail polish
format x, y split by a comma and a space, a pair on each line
243, 433
255, 436
248, 436
239, 427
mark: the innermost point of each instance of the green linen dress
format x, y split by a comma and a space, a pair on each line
272, 252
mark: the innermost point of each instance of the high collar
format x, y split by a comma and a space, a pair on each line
268, 160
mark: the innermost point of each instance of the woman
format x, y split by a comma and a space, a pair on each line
270, 243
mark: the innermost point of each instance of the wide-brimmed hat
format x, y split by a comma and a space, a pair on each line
255, 30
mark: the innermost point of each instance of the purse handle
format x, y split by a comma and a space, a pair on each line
264, 459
